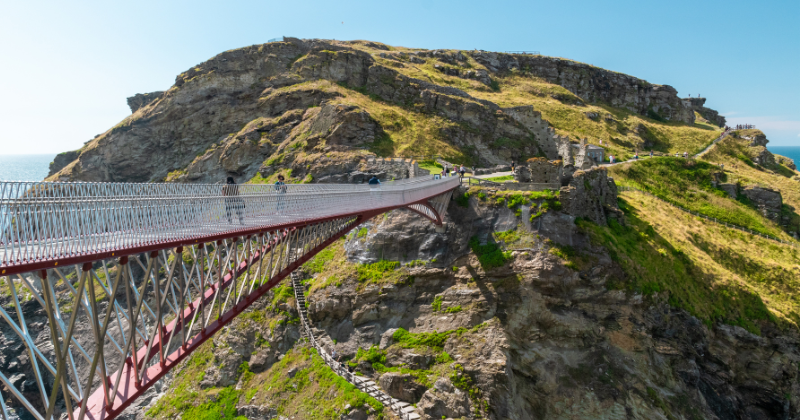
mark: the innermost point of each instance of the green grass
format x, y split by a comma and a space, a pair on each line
504, 178
376, 271
437, 304
315, 390
489, 255
431, 166
317, 264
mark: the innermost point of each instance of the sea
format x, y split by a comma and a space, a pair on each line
792, 152
25, 167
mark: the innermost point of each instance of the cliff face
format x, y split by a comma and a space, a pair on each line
232, 112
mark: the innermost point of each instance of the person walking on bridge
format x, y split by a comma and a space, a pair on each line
232, 201
375, 187
280, 187
462, 170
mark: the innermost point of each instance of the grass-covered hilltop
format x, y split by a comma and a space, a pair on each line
661, 287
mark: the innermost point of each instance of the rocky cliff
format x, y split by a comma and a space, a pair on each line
282, 106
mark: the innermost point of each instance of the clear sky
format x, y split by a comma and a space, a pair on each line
67, 67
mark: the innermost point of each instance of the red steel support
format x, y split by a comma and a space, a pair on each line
129, 388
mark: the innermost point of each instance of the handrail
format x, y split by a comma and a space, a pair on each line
43, 221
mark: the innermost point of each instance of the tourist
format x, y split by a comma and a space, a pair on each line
232, 203
512, 166
374, 186
280, 187
651, 153
611, 158
685, 155
636, 156
462, 170
446, 172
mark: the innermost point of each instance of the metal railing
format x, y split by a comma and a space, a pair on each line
709, 218
43, 221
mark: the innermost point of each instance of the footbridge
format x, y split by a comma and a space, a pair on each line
105, 287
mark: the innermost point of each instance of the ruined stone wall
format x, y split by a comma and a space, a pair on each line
386, 169
539, 171
545, 136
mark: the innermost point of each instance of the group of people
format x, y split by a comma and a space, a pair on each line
235, 204
460, 171
744, 126
338, 359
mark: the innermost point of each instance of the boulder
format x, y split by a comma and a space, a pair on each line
257, 412
444, 401
769, 202
401, 386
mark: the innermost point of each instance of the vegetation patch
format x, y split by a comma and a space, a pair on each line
489, 255
376, 271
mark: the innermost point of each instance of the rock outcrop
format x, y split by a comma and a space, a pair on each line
769, 202
141, 99
698, 104
594, 84
61, 160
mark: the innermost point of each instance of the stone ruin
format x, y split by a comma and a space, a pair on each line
569, 158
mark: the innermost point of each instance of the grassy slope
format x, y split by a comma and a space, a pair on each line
567, 114
734, 154
715, 273
687, 183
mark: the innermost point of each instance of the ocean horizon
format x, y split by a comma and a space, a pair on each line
25, 167
791, 152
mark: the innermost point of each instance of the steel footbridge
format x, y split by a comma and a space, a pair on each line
105, 287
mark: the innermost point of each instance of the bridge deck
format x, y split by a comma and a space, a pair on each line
43, 223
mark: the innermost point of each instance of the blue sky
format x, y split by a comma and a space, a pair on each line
69, 66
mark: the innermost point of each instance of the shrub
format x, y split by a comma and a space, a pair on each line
463, 200
489, 255
437, 304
